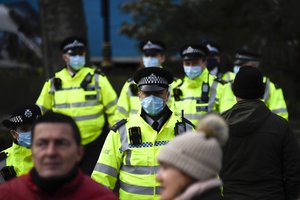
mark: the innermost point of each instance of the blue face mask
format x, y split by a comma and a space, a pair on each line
236, 69
151, 61
24, 139
153, 105
192, 72
77, 62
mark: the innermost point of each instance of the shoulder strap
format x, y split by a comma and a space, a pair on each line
219, 79
87, 79
205, 91
118, 125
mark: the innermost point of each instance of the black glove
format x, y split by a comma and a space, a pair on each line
8, 172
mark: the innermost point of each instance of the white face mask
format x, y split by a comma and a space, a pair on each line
192, 72
151, 61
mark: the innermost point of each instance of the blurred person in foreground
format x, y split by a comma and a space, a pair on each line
56, 152
273, 95
16, 160
191, 162
261, 157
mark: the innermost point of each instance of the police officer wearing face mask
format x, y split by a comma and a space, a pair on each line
273, 95
16, 160
84, 94
153, 56
200, 92
130, 150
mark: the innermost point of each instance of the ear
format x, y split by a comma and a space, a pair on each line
14, 134
80, 153
65, 57
163, 58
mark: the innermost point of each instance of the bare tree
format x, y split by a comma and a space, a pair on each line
59, 20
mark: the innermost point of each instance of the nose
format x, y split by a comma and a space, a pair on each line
51, 150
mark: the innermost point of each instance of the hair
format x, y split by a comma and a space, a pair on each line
54, 117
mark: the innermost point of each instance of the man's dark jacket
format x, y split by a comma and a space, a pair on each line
261, 158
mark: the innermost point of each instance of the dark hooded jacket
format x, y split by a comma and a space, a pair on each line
261, 158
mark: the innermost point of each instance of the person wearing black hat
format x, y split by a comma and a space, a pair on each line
83, 93
132, 145
261, 158
153, 56
16, 160
273, 94
200, 92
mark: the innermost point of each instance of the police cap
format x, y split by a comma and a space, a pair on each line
190, 52
213, 48
73, 43
152, 47
25, 115
152, 79
243, 56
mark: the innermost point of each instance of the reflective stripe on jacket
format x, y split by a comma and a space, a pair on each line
134, 164
87, 106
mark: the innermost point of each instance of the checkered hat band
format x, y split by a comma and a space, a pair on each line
153, 80
73, 45
16, 119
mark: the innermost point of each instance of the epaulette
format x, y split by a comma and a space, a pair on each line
185, 120
219, 80
99, 71
3, 155
118, 125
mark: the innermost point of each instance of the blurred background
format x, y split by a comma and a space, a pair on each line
31, 32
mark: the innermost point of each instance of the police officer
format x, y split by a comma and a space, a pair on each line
16, 160
213, 58
84, 94
153, 56
273, 95
132, 145
200, 92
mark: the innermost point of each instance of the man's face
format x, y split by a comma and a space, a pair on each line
54, 149
164, 94
194, 62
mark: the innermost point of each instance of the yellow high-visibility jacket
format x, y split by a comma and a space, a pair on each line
134, 164
273, 96
129, 102
19, 157
202, 95
86, 101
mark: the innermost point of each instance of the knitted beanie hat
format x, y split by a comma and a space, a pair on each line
248, 83
199, 154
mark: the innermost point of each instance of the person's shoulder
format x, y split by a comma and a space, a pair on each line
94, 190
118, 125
